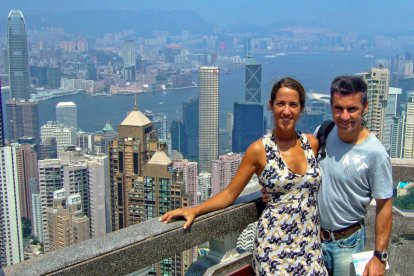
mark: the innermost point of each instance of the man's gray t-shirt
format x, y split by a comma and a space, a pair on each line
351, 176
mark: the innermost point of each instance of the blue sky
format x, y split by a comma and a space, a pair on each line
371, 16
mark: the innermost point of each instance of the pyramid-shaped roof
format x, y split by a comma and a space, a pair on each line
136, 118
107, 127
159, 158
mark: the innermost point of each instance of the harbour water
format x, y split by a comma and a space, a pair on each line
315, 71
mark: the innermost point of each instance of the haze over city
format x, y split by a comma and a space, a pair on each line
115, 112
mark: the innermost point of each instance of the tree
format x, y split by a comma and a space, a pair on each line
406, 202
27, 227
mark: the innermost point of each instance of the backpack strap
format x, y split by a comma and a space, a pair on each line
322, 135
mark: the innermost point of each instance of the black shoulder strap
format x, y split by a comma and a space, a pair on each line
322, 135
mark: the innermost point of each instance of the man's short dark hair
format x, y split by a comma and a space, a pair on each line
346, 85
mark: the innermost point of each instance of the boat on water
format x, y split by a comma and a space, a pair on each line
275, 55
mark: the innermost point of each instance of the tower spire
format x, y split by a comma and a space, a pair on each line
135, 101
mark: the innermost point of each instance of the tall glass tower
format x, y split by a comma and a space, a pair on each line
18, 56
253, 81
208, 89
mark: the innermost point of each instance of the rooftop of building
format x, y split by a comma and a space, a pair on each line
136, 118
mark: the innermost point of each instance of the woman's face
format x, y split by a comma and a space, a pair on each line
286, 108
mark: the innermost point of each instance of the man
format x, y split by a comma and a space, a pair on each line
356, 169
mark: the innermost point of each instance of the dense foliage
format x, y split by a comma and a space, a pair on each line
406, 202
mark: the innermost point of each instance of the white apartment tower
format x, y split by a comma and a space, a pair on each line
223, 170
99, 195
378, 80
408, 145
189, 170
11, 236
208, 94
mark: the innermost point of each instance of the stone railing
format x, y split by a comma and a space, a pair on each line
139, 246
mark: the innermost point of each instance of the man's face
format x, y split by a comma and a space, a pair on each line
347, 113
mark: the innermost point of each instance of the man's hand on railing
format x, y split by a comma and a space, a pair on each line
188, 214
265, 195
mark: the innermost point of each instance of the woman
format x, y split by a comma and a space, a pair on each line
287, 239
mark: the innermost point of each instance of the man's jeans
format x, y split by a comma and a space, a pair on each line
337, 254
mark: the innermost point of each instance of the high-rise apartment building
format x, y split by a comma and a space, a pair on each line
22, 119
67, 223
248, 125
11, 237
208, 94
253, 81
159, 190
50, 180
134, 146
99, 195
28, 178
222, 171
189, 170
204, 186
18, 56
378, 80
66, 114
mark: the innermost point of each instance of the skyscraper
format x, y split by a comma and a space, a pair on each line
134, 146
18, 56
248, 125
408, 145
208, 93
28, 178
23, 119
66, 114
99, 195
189, 170
2, 142
50, 180
129, 53
11, 237
378, 80
253, 81
390, 113
190, 124
162, 188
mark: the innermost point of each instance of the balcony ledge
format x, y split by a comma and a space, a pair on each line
141, 245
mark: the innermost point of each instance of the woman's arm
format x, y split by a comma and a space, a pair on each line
253, 161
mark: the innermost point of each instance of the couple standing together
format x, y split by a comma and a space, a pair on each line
314, 219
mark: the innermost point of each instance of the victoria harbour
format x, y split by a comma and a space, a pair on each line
315, 71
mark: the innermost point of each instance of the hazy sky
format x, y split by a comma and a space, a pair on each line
371, 16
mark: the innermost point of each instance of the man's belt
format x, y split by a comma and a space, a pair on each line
326, 235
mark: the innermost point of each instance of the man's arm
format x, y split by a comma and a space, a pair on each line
383, 223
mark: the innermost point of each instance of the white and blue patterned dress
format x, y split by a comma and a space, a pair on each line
288, 233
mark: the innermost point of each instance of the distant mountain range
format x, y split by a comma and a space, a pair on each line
144, 22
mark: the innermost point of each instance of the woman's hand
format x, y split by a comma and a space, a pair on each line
188, 214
